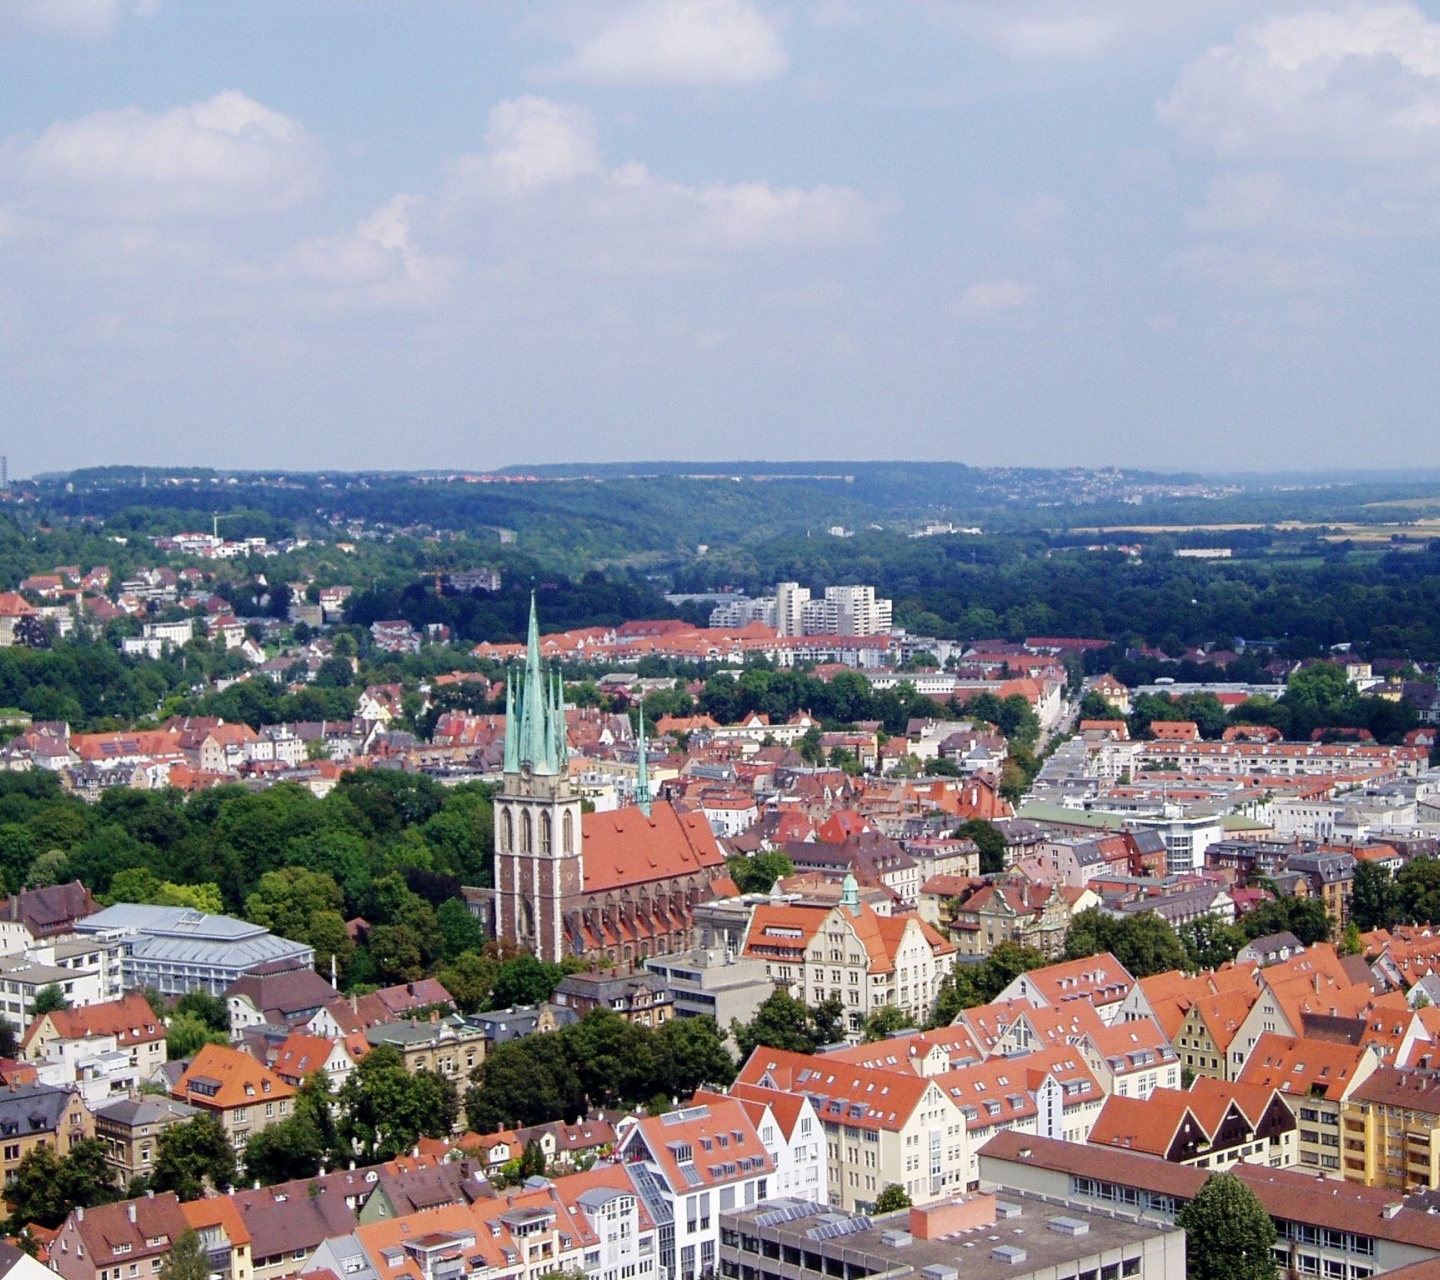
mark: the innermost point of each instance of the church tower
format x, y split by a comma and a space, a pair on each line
538, 857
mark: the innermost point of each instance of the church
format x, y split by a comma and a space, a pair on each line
617, 886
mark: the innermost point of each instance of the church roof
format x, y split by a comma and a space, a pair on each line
625, 847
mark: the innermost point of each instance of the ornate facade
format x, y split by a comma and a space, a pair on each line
621, 885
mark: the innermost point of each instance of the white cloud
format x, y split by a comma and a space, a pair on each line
988, 297
532, 142
226, 155
81, 18
379, 258
538, 150
682, 42
1357, 84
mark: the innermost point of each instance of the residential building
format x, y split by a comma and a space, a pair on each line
278, 993
1019, 910
105, 1049
994, 1235
689, 1166
881, 1126
638, 998
1100, 981
22, 979
130, 1127
40, 1115
790, 1131
1211, 1126
1390, 1129
223, 1236
129, 1240
1315, 1078
849, 952
244, 1095
450, 1046
302, 1055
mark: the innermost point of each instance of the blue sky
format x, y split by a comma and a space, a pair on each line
467, 233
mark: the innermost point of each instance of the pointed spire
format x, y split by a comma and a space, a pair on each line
643, 798
537, 743
512, 727
562, 741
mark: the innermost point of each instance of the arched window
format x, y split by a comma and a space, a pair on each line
507, 833
524, 833
544, 833
567, 833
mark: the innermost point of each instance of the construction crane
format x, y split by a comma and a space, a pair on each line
217, 516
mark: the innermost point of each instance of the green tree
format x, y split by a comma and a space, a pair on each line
306, 906
523, 981
1143, 942
990, 840
187, 1259
1418, 889
782, 1022
46, 1187
187, 1035
1228, 1234
293, 1148
758, 873
49, 999
1210, 942
384, 1108
691, 1052
193, 1155
1375, 897
211, 1010
459, 928
892, 1198
886, 1019
1306, 918
469, 978
522, 1082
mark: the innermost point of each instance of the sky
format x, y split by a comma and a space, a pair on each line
1171, 234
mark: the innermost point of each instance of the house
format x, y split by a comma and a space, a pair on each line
287, 1222
40, 1115
94, 1243
790, 1131
1315, 1078
639, 998
1390, 1130
852, 953
222, 1234
1211, 1126
243, 1095
130, 1127
692, 1165
881, 1126
107, 1048
278, 993
1099, 980
302, 1055
449, 1046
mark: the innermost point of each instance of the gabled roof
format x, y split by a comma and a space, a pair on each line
858, 1096
624, 846
221, 1077
130, 1020
703, 1145
1303, 1067
1149, 1125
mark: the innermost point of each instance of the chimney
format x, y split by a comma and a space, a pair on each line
80, 1213
130, 1211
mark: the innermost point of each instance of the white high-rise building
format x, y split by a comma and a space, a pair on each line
790, 601
858, 612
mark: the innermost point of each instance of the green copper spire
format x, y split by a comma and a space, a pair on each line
512, 728
643, 798
850, 893
536, 746
562, 743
